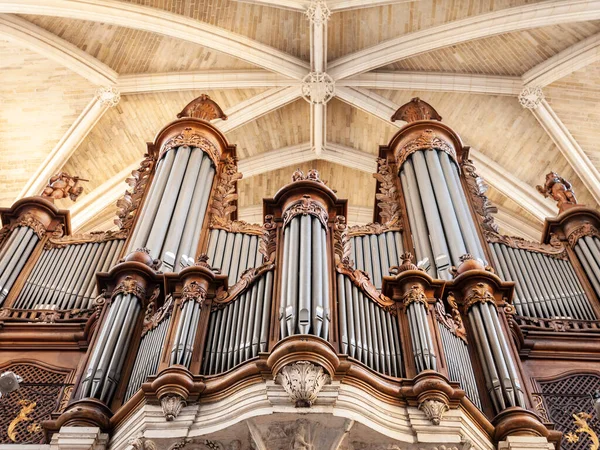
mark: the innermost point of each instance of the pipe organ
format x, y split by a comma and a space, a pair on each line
185, 305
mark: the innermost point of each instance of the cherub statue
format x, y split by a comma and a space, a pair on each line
62, 185
559, 189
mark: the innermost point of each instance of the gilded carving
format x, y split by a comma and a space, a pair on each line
559, 189
587, 229
224, 201
427, 140
480, 293
306, 206
415, 294
341, 243
388, 196
538, 405
130, 202
311, 175
580, 420
189, 138
93, 237
153, 318
362, 280
203, 108
415, 110
27, 407
372, 228
193, 291
63, 185
267, 246
302, 380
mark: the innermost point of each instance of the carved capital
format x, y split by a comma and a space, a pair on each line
130, 285
415, 294
191, 139
480, 293
172, 405
587, 229
434, 410
306, 206
427, 140
302, 380
193, 291
531, 97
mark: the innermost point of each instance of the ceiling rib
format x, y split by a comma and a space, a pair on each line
28, 35
564, 63
211, 79
165, 23
334, 5
484, 25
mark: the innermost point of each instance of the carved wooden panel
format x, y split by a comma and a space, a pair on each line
42, 392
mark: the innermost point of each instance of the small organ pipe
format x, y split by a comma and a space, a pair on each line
358, 323
229, 246
375, 260
243, 261
304, 300
33, 240
284, 281
324, 299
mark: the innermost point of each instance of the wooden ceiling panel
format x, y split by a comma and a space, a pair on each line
354, 185
354, 128
282, 29
40, 101
119, 139
286, 126
349, 32
132, 51
506, 54
500, 128
576, 100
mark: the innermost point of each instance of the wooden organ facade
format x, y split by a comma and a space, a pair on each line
188, 327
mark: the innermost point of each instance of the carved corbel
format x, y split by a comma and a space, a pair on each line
434, 410
302, 380
172, 404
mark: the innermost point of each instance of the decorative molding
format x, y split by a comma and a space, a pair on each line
559, 189
427, 140
237, 226
130, 285
388, 196
30, 221
131, 200
555, 248
302, 380
93, 237
531, 97
311, 175
267, 245
63, 185
362, 280
476, 188
371, 228
193, 291
194, 140
248, 278
172, 405
480, 293
318, 88
414, 110
434, 410
108, 96
415, 294
224, 197
45, 315
203, 108
306, 206
556, 325
153, 319
587, 229
341, 243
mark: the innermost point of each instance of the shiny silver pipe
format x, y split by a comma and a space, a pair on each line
266, 314
317, 274
304, 283
341, 294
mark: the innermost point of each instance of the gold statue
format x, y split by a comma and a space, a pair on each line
559, 189
62, 185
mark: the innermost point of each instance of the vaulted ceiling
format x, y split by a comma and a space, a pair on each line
470, 59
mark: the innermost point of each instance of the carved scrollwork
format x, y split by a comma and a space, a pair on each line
302, 380
93, 237
224, 201
362, 280
267, 245
152, 319
476, 188
453, 321
415, 110
130, 202
306, 205
480, 293
193, 291
415, 294
30, 221
194, 140
248, 278
587, 229
203, 108
555, 248
236, 226
341, 243
372, 228
130, 285
388, 196
427, 140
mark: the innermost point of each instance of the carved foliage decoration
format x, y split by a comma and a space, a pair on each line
267, 245
302, 380
427, 140
30, 221
415, 110
152, 319
587, 229
172, 405
341, 243
434, 410
193, 291
480, 293
306, 205
130, 202
130, 285
191, 139
203, 108
94, 236
559, 189
482, 205
361, 279
388, 196
249, 277
555, 248
141, 443
372, 228
453, 321
415, 294
224, 201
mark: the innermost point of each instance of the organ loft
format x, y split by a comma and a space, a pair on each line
186, 328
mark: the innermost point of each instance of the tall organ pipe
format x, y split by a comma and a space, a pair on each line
305, 284
587, 250
13, 256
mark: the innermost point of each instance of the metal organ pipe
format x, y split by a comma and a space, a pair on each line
13, 256
587, 250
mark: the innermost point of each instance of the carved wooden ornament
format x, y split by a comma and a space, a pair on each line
415, 110
63, 185
559, 189
427, 140
203, 108
306, 205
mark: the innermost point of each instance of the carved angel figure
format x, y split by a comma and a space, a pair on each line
559, 189
62, 185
